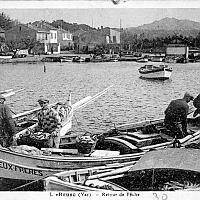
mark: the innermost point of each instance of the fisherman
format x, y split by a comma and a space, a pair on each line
176, 116
49, 123
7, 124
196, 104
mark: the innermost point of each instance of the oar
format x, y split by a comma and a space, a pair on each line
93, 98
30, 112
80, 104
10, 93
6, 91
111, 173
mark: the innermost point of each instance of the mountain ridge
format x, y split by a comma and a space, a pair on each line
167, 27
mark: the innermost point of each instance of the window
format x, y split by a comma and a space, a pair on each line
114, 39
51, 35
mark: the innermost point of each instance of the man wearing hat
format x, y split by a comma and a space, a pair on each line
176, 116
7, 124
49, 122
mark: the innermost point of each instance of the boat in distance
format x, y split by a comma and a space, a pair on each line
150, 71
180, 166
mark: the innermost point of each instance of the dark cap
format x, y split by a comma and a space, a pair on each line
187, 95
2, 97
42, 100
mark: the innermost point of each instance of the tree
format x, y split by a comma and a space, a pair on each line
5, 22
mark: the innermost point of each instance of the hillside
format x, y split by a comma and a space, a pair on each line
72, 27
166, 27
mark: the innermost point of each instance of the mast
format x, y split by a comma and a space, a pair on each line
120, 37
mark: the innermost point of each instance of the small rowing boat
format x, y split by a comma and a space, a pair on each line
161, 72
167, 169
81, 179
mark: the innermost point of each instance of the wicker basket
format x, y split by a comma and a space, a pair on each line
85, 148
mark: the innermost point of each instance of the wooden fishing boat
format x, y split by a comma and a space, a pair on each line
131, 141
167, 169
142, 60
5, 56
79, 180
161, 72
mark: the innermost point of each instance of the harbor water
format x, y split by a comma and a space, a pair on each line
131, 99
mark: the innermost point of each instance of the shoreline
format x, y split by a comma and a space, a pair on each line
36, 58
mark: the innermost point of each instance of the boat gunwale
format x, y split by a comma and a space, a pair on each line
71, 158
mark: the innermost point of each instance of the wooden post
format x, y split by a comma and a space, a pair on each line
44, 68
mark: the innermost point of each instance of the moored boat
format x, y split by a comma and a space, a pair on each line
79, 180
166, 169
125, 143
142, 60
161, 72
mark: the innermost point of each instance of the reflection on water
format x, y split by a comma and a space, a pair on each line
130, 99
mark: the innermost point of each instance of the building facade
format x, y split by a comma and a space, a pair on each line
87, 41
22, 35
53, 47
113, 39
2, 33
177, 51
65, 38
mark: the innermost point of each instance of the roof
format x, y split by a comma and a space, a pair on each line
63, 31
38, 29
30, 26
170, 158
176, 45
44, 25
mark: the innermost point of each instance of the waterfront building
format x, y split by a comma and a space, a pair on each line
21, 34
113, 40
177, 51
86, 41
65, 38
2, 33
53, 47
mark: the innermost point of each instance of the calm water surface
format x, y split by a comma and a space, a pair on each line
130, 99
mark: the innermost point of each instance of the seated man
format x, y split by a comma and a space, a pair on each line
176, 116
49, 122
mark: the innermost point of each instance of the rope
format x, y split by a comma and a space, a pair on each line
22, 186
78, 123
13, 112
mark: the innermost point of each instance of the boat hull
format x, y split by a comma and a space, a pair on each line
13, 171
28, 167
56, 163
5, 57
159, 75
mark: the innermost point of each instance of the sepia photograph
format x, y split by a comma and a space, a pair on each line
100, 99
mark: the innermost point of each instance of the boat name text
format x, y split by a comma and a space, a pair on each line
11, 167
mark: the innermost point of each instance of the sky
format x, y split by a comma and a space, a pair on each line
97, 15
